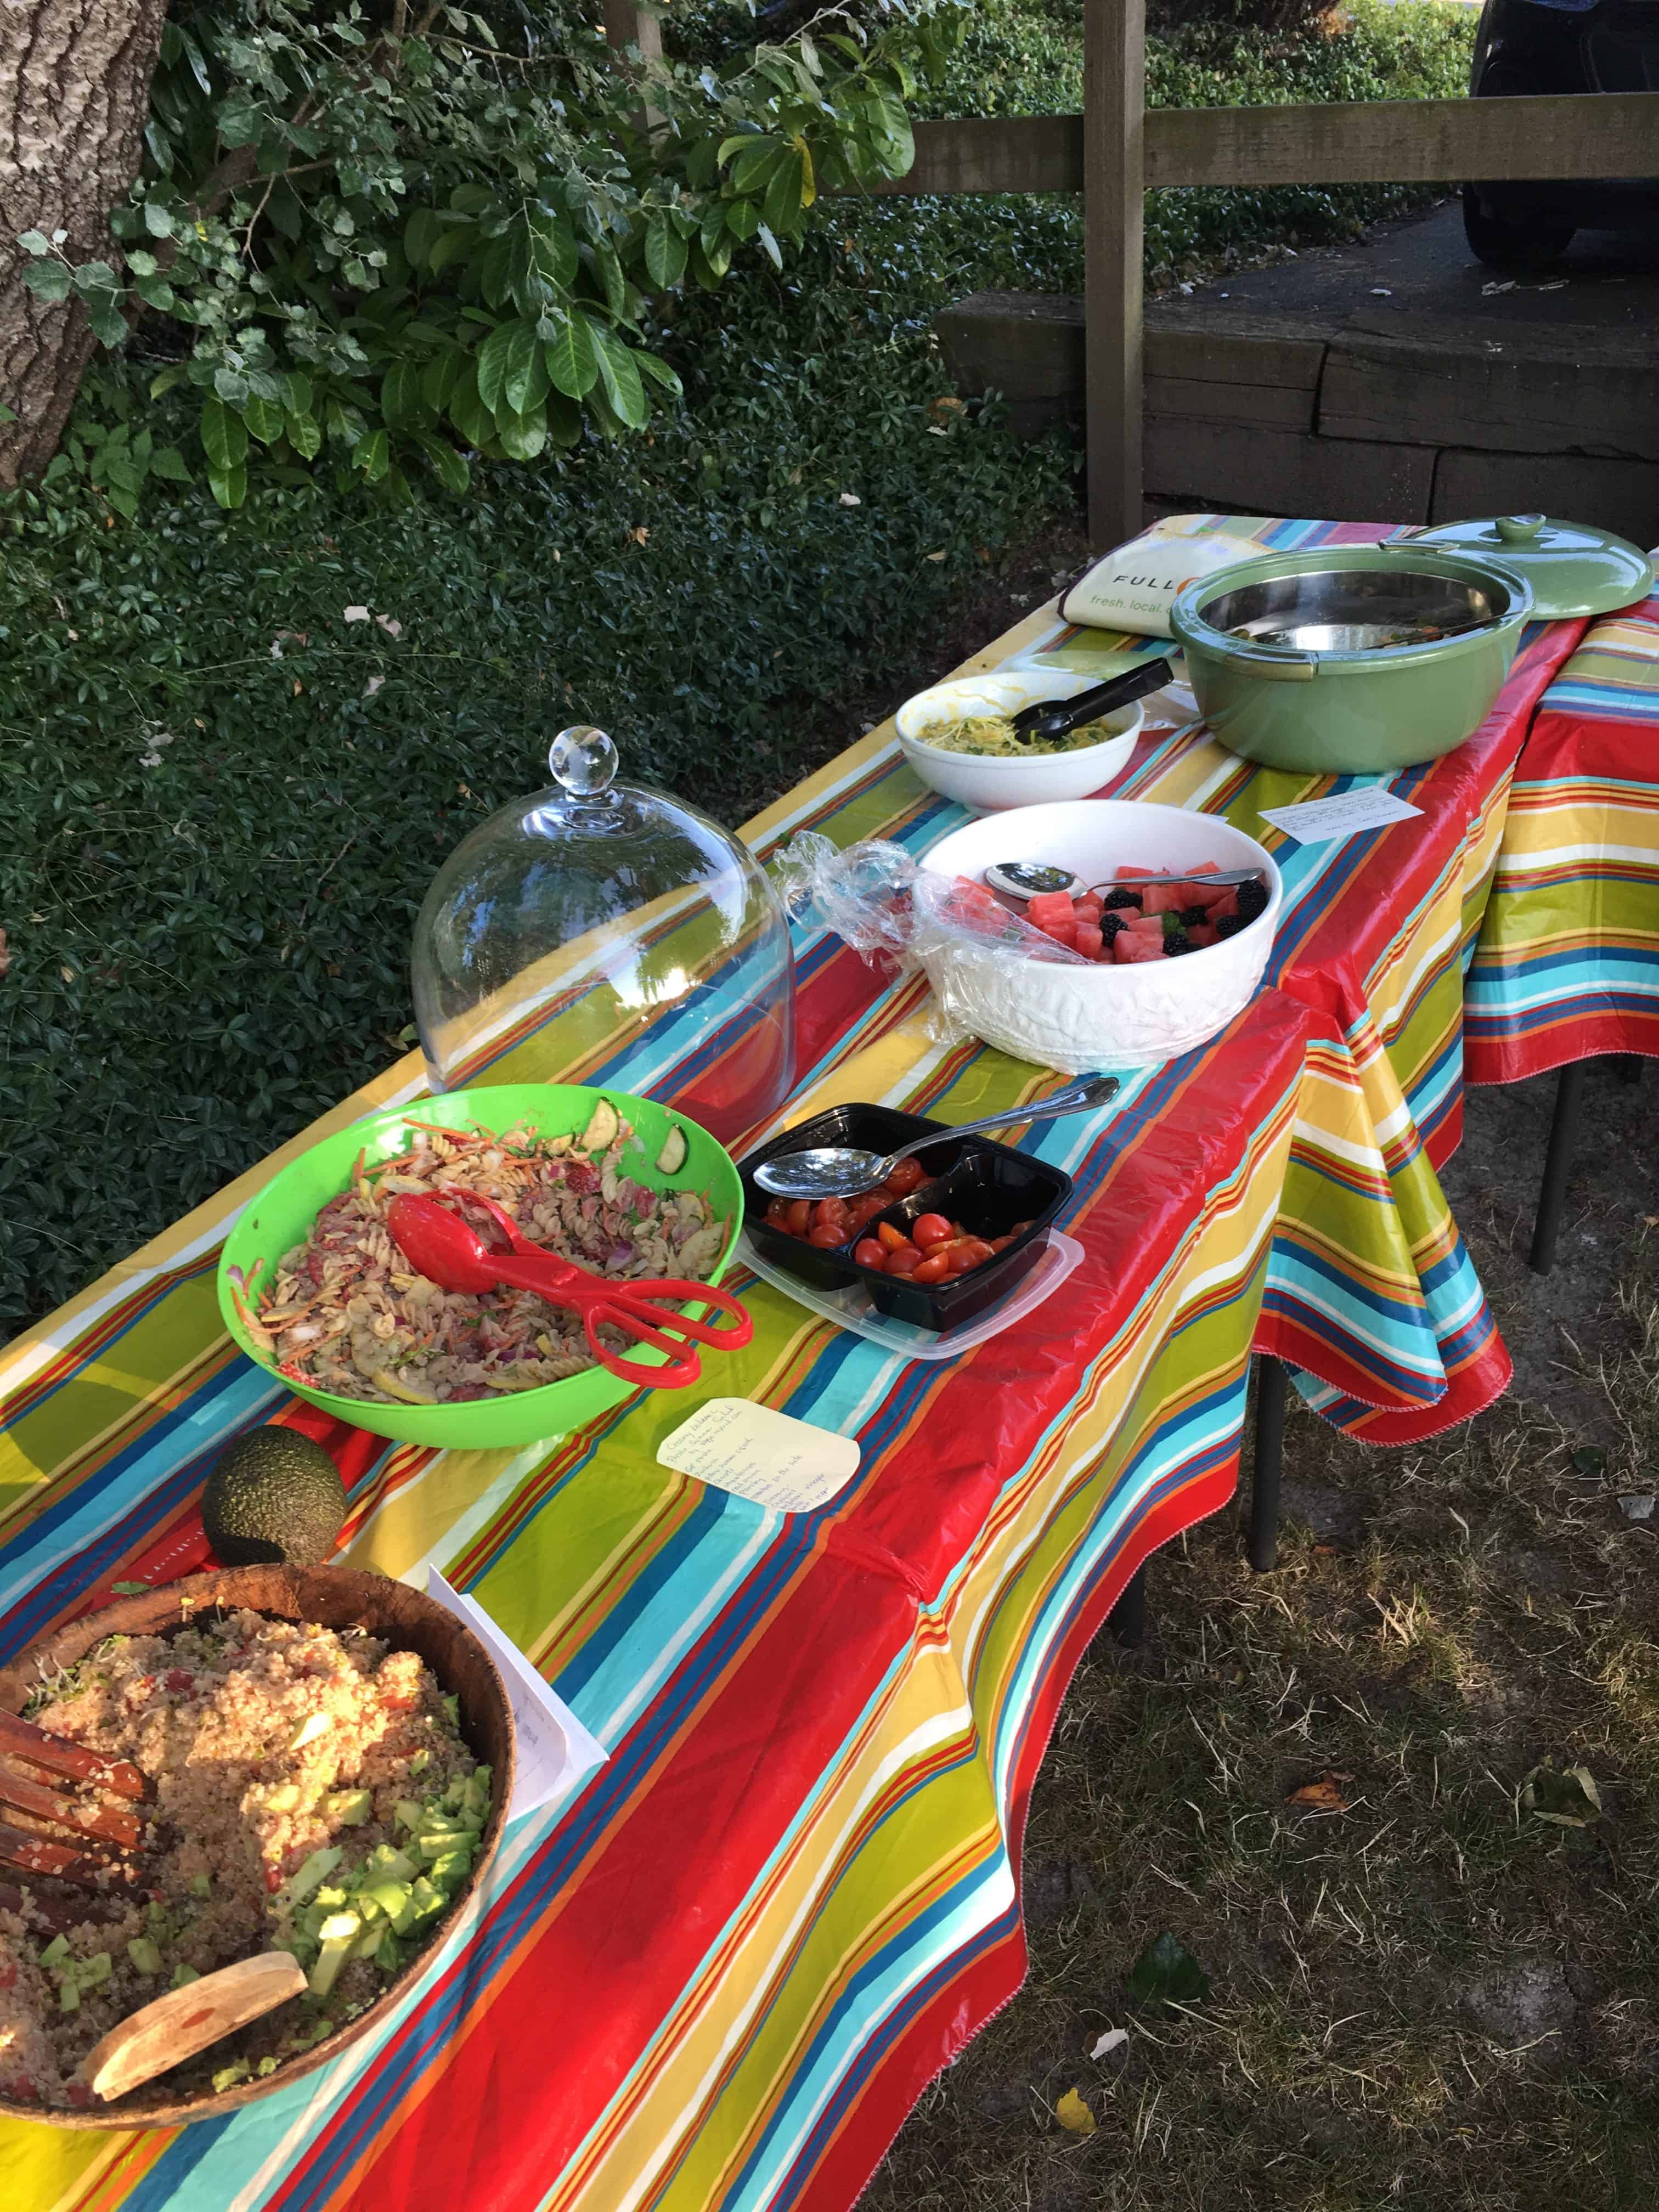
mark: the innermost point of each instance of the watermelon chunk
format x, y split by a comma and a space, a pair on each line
1131, 948
1201, 933
1224, 909
1144, 925
1048, 906
1088, 940
1191, 893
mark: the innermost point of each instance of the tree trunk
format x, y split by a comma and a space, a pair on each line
74, 96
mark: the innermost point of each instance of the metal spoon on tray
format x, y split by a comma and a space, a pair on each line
842, 1171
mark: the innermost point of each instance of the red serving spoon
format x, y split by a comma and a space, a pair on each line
442, 1247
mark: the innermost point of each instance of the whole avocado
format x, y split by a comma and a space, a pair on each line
274, 1497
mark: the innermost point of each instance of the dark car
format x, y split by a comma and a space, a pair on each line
1560, 46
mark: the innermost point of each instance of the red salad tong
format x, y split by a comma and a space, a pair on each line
442, 1247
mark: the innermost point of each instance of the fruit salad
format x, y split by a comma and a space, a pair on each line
1121, 924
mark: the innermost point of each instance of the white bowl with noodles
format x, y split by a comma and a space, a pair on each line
990, 781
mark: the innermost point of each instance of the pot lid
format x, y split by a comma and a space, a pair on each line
1573, 569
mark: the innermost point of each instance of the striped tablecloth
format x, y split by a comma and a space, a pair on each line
1566, 963
720, 1975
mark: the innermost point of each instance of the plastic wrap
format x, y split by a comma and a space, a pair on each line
952, 930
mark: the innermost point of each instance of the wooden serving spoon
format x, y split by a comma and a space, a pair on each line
174, 2027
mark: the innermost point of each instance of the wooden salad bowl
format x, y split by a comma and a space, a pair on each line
331, 1597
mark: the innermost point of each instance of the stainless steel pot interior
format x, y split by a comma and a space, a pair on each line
1355, 610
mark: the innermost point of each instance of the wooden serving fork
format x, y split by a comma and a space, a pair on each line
79, 1810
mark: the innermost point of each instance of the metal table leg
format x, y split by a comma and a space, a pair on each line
1127, 1618
1271, 1383
1558, 1165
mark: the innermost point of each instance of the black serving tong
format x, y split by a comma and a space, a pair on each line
1057, 718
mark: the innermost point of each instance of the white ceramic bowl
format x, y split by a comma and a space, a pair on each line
989, 781
1076, 1019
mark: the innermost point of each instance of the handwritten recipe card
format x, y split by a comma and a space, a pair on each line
757, 1453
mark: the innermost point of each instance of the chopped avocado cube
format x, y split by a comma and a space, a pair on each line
284, 1799
367, 1907
267, 2066
158, 1922
410, 1814
57, 1949
145, 1955
477, 1794
313, 1726
331, 1896
339, 1932
423, 1901
368, 1943
351, 1806
448, 1872
420, 1761
452, 1707
200, 1885
182, 1975
93, 1972
387, 1897
69, 1994
311, 1875
384, 1861
228, 2076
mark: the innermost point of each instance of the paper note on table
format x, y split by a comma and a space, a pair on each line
757, 1453
553, 1749
1344, 814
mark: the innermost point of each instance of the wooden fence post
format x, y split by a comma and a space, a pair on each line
1114, 213
625, 25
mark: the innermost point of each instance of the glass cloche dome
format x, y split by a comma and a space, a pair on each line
602, 932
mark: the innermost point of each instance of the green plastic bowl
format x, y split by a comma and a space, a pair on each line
281, 1217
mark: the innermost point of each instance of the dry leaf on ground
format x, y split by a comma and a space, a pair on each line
1074, 2115
1566, 1800
1110, 2042
1324, 1795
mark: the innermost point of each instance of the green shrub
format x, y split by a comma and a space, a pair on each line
215, 847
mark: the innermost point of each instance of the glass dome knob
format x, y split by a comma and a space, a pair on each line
583, 760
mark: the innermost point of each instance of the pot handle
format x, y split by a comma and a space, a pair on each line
1279, 668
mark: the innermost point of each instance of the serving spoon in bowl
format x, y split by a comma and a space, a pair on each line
842, 1171
448, 1251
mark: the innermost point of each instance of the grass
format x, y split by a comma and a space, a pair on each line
1432, 1998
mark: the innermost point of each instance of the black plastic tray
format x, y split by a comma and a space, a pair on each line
986, 1185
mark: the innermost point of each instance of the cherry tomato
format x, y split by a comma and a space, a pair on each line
891, 1235
930, 1229
864, 1209
907, 1176
933, 1269
904, 1262
830, 1214
1019, 1228
777, 1213
827, 1236
1001, 1243
869, 1254
797, 1218
967, 1253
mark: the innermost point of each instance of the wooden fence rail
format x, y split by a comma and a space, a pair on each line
1387, 142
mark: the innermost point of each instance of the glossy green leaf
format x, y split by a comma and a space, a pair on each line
228, 486
449, 467
305, 434
47, 280
224, 439
264, 421
467, 410
373, 455
665, 253
619, 375
522, 436
572, 360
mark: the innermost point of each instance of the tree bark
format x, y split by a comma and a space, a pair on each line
74, 96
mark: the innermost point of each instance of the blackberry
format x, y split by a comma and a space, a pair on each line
1177, 940
1252, 900
1120, 896
1111, 924
1191, 916
1231, 925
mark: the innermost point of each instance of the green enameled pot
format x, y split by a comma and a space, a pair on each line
281, 1217
1350, 659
